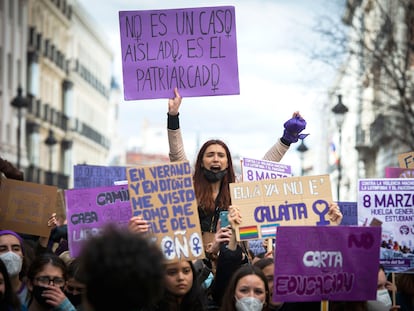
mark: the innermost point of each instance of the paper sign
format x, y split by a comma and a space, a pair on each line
164, 196
194, 49
90, 209
398, 172
25, 207
406, 160
253, 169
92, 176
292, 201
326, 263
349, 212
389, 202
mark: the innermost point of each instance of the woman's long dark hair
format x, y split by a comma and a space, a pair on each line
229, 301
194, 300
42, 260
202, 187
10, 300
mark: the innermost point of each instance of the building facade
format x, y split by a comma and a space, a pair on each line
68, 86
376, 83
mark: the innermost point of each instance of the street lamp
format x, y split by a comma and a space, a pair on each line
302, 149
50, 142
19, 102
339, 111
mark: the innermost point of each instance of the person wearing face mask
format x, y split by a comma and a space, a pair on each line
8, 298
383, 288
213, 170
46, 279
247, 290
74, 287
11, 253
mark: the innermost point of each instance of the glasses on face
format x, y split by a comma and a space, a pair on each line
46, 280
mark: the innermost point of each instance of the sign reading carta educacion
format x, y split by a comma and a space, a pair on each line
194, 49
326, 263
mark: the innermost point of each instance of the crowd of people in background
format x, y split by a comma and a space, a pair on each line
121, 269
394, 245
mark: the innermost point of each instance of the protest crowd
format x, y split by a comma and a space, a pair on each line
121, 269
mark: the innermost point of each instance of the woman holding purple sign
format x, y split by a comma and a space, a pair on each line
214, 168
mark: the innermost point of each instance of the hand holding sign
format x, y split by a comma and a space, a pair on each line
138, 225
174, 103
334, 213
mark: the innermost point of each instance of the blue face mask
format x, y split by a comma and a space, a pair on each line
207, 282
248, 304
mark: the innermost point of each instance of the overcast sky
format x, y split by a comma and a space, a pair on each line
276, 74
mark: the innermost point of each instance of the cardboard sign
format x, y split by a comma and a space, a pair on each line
253, 169
349, 212
389, 202
90, 209
164, 196
92, 176
326, 263
406, 160
292, 201
194, 49
25, 207
398, 172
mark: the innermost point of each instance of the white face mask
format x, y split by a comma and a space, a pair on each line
249, 304
13, 263
384, 297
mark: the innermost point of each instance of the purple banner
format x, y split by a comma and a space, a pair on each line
326, 263
92, 176
194, 49
89, 210
254, 169
398, 172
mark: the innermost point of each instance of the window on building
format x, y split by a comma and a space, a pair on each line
20, 14
11, 7
19, 71
1, 67
10, 71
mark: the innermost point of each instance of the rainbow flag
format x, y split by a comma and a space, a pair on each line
249, 232
268, 231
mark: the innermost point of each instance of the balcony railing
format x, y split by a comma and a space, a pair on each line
40, 176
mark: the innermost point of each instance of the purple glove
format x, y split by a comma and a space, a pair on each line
293, 127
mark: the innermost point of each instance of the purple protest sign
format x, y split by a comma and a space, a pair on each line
194, 49
88, 210
91, 176
326, 263
254, 169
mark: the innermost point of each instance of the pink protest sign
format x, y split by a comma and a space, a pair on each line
326, 263
88, 210
194, 49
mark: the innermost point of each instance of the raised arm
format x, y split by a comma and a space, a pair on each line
175, 140
292, 133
